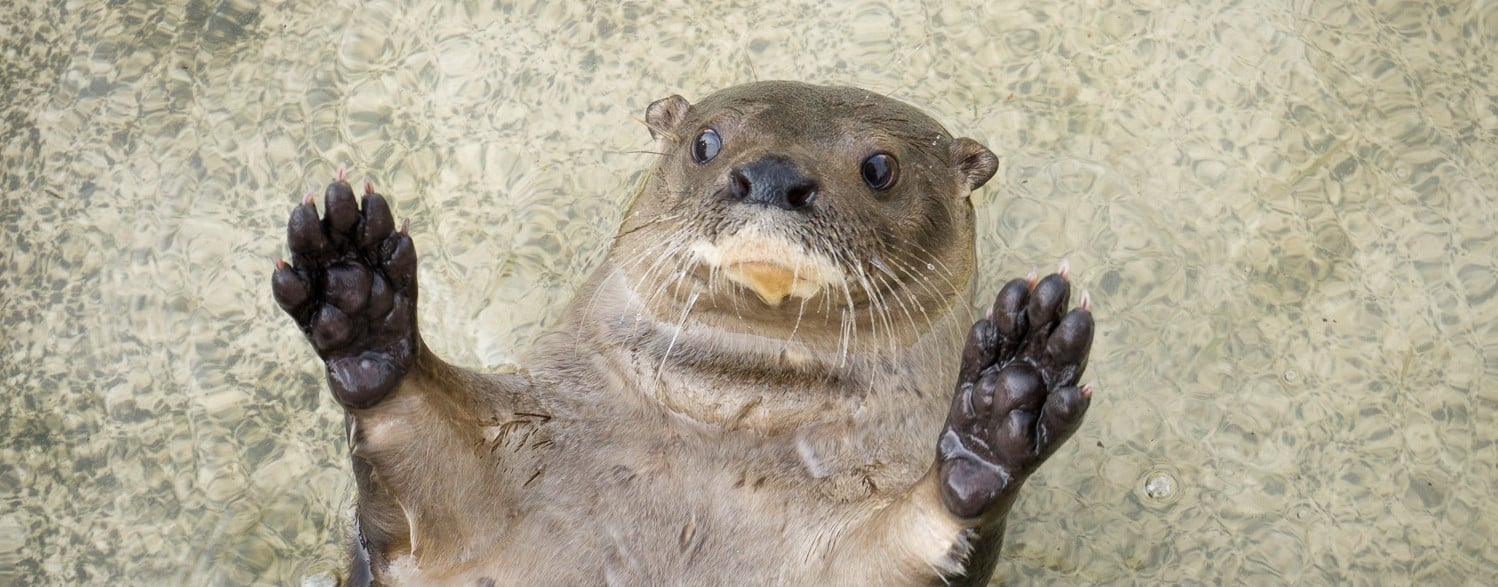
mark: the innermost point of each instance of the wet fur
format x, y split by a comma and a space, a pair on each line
672, 430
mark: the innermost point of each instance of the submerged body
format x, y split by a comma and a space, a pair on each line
756, 387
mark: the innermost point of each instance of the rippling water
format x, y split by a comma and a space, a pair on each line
1285, 212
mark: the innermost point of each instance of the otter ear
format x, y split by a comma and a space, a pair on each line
975, 162
664, 115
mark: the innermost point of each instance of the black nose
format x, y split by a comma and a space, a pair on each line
772, 181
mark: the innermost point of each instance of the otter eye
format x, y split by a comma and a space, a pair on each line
706, 146
879, 171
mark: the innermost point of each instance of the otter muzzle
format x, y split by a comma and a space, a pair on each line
773, 268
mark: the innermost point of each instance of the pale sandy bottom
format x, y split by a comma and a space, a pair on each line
1284, 211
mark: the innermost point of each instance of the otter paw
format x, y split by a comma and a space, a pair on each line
351, 287
1017, 400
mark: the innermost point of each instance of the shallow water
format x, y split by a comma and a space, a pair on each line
1285, 213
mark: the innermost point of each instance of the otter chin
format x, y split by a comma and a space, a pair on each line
772, 378
773, 268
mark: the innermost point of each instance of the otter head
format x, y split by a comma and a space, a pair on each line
782, 204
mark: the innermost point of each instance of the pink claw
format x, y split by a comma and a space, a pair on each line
1087, 389
406, 227
1032, 278
342, 172
1086, 302
309, 200
280, 264
368, 187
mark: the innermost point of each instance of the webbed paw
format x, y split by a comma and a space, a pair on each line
1017, 400
351, 287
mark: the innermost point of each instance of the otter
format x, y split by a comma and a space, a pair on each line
773, 377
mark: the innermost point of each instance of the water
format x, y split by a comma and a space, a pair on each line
1285, 213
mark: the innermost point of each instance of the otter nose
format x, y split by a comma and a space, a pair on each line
772, 181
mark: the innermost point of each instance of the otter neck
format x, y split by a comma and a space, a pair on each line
734, 379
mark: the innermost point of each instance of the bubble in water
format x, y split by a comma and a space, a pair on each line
930, 267
1160, 487
1290, 375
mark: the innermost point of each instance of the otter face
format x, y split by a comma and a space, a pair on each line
779, 197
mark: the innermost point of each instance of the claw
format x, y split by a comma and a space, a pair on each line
309, 200
342, 172
1065, 269
1087, 388
280, 264
406, 227
368, 187
1086, 302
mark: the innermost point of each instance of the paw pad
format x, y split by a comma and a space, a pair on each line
1017, 400
351, 287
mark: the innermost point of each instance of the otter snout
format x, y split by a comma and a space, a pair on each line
772, 181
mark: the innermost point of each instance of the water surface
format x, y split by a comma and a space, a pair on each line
1285, 212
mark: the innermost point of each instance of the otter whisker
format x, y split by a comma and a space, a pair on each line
913, 274
878, 311
845, 339
878, 263
879, 308
912, 277
847, 327
800, 313
680, 325
672, 262
661, 258
629, 263
900, 299
849, 323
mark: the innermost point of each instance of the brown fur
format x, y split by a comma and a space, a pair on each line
678, 427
